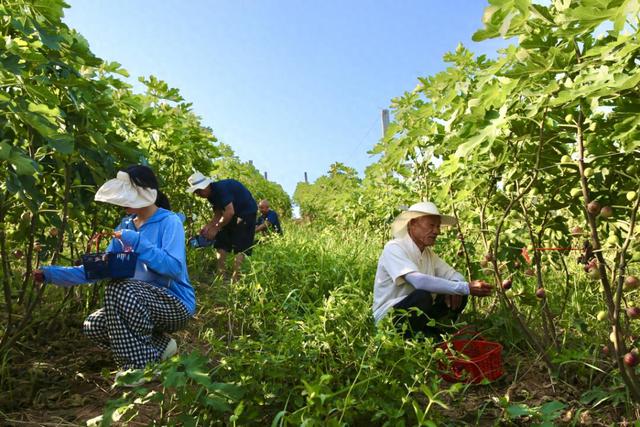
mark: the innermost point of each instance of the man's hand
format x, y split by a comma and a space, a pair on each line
209, 231
453, 301
480, 288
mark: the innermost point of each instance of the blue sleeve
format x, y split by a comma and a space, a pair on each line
65, 276
167, 260
272, 217
71, 276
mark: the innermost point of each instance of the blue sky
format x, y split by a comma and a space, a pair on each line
292, 85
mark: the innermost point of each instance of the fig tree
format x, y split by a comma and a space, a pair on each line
631, 282
593, 207
26, 216
576, 231
594, 273
612, 337
630, 359
606, 212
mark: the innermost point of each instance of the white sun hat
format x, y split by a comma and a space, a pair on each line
197, 181
120, 191
399, 225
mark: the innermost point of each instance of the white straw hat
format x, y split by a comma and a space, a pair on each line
399, 225
121, 192
197, 181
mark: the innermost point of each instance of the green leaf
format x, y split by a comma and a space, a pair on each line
518, 410
44, 109
23, 165
5, 150
217, 403
553, 409
63, 144
12, 64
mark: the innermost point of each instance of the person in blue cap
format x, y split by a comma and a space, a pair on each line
139, 312
233, 225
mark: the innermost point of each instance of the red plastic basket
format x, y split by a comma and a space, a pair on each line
472, 360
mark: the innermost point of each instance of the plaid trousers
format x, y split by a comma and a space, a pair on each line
134, 321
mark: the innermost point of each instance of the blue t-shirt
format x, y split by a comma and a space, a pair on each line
231, 191
272, 217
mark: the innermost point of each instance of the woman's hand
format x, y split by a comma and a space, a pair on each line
117, 234
38, 276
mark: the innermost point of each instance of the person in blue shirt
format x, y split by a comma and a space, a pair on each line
138, 312
268, 219
233, 225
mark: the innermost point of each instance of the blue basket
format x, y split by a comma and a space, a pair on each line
108, 265
200, 241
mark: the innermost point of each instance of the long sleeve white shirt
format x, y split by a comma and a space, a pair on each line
402, 268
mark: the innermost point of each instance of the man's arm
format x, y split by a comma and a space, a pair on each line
438, 285
263, 226
220, 219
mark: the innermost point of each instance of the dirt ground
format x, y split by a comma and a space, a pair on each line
65, 381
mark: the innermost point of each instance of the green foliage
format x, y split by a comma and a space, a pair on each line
330, 196
230, 166
517, 147
297, 334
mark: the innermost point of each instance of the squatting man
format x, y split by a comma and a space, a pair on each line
412, 283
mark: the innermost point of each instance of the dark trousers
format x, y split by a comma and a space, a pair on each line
418, 308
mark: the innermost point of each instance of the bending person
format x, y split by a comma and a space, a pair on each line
233, 225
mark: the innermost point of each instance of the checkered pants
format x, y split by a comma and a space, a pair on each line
133, 322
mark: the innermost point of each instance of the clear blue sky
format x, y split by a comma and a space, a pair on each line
292, 85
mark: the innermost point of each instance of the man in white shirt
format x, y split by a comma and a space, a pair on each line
413, 282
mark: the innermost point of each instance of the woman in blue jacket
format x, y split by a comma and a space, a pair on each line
159, 299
